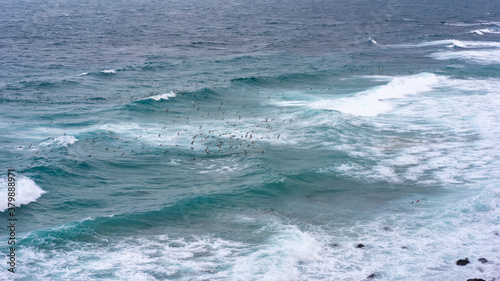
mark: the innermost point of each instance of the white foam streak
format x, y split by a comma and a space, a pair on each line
460, 44
477, 56
473, 24
62, 141
108, 71
462, 24
27, 191
490, 30
373, 102
486, 30
165, 96
485, 52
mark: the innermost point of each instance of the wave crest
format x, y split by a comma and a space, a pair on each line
27, 191
163, 96
372, 102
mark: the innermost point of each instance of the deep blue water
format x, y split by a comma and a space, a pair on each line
229, 140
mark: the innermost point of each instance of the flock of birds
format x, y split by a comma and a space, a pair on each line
189, 123
192, 122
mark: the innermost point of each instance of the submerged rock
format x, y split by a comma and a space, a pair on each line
360, 246
482, 260
373, 275
463, 262
476, 279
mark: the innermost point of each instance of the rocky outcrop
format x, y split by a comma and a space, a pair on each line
463, 262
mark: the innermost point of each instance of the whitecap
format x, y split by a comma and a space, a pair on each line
373, 102
451, 43
462, 24
281, 257
477, 56
473, 24
460, 43
163, 96
292, 103
108, 71
485, 30
61, 141
27, 191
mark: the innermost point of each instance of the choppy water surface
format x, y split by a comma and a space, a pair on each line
190, 140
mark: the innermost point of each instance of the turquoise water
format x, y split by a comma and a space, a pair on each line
251, 141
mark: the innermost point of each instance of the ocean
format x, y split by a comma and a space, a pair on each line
250, 140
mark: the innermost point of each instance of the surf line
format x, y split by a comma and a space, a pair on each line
11, 219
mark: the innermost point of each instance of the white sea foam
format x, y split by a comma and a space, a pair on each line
473, 24
108, 71
458, 131
413, 241
27, 191
62, 141
280, 258
294, 103
486, 30
221, 166
417, 244
374, 101
460, 43
194, 258
485, 52
452, 43
462, 24
82, 74
474, 56
136, 258
163, 96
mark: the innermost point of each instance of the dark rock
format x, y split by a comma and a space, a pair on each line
334, 245
476, 279
404, 247
373, 275
463, 262
360, 246
386, 228
482, 260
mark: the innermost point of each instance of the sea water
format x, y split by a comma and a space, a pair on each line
251, 140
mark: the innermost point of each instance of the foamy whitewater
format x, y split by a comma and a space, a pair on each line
163, 96
268, 140
377, 100
28, 192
